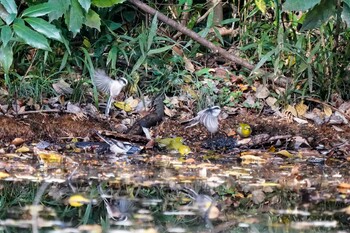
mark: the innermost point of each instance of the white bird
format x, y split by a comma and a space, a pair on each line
109, 86
207, 117
118, 147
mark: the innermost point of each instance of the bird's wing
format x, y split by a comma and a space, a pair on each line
102, 81
210, 122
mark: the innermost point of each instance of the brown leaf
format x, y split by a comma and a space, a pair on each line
17, 141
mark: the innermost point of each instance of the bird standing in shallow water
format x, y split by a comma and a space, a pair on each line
107, 85
207, 117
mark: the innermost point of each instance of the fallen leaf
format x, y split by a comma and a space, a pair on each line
22, 149
17, 141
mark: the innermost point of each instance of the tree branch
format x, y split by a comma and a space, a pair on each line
193, 35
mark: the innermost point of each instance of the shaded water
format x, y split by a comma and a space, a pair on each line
254, 192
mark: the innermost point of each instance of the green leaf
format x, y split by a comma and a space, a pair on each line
263, 60
6, 34
261, 5
346, 14
45, 28
30, 36
93, 20
85, 4
10, 6
76, 17
106, 3
159, 50
6, 57
319, 15
152, 32
10, 18
299, 5
60, 7
38, 10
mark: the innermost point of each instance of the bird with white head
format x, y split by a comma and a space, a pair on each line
109, 86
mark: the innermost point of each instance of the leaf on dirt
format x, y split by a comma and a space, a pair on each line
169, 112
62, 87
300, 141
300, 121
338, 129
188, 65
243, 87
73, 108
123, 106
17, 141
292, 110
327, 110
285, 153
262, 92
258, 196
271, 101
22, 149
78, 200
301, 108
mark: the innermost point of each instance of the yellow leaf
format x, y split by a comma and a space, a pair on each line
4, 175
133, 87
248, 159
327, 110
50, 156
124, 106
78, 200
291, 110
86, 42
261, 5
285, 153
23, 149
301, 108
243, 87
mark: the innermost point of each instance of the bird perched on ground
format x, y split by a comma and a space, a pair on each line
207, 117
118, 147
109, 86
244, 130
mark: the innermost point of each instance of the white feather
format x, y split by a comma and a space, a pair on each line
207, 117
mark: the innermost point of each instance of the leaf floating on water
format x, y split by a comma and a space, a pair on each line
4, 175
50, 156
248, 159
78, 200
344, 188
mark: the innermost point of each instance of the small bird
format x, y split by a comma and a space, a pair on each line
109, 86
207, 117
118, 147
120, 209
244, 130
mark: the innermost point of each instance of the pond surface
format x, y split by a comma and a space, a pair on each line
250, 191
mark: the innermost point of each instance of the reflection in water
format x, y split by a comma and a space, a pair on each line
162, 193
